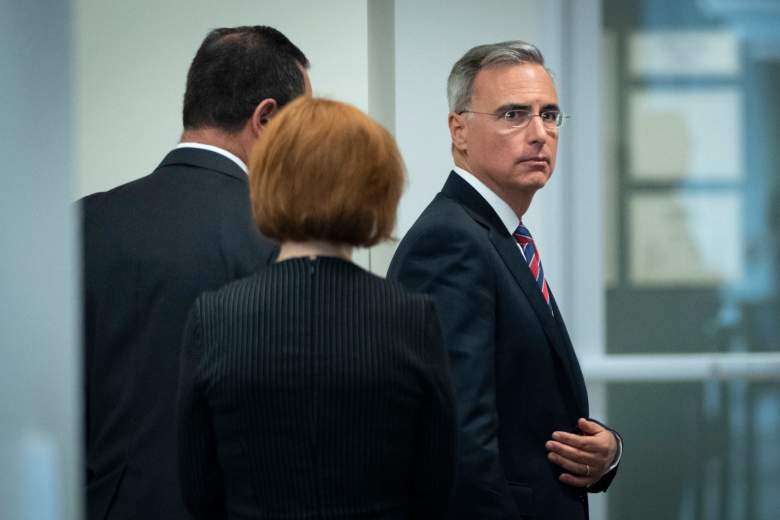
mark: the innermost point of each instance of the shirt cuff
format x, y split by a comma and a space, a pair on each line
619, 453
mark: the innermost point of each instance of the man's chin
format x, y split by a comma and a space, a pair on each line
535, 178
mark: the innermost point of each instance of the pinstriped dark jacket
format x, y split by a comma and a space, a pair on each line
315, 389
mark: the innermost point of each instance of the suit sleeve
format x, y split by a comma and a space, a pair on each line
199, 473
434, 475
452, 268
245, 249
604, 482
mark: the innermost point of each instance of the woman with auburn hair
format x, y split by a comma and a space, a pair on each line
315, 389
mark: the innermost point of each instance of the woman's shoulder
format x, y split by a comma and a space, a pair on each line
341, 279
394, 303
399, 293
232, 294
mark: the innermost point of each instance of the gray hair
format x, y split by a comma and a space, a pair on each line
461, 80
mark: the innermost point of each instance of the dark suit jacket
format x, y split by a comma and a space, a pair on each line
150, 248
315, 390
514, 370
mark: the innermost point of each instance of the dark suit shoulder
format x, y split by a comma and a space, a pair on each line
445, 229
448, 254
91, 200
94, 204
101, 198
174, 178
446, 220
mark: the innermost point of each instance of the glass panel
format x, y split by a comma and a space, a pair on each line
704, 451
692, 108
691, 103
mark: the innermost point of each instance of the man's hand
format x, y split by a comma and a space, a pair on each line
586, 457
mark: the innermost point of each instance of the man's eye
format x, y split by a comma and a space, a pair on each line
550, 116
516, 115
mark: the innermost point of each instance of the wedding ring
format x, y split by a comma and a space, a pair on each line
587, 470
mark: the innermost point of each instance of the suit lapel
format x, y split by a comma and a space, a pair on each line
577, 378
514, 261
505, 245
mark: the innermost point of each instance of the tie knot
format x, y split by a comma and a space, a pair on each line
522, 233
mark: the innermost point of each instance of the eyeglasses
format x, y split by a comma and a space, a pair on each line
518, 118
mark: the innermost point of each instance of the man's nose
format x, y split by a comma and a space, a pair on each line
536, 131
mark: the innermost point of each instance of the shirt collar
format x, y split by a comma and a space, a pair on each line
502, 209
216, 149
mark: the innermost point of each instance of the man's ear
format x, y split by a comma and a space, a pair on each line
458, 131
263, 113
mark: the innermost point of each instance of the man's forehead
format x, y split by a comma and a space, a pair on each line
514, 69
518, 83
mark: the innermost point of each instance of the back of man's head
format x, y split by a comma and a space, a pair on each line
234, 70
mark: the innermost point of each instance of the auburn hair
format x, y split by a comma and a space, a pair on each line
324, 170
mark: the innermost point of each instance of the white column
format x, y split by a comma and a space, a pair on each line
586, 311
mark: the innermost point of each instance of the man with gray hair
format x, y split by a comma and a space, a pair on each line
527, 448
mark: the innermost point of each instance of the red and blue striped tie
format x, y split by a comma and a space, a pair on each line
526, 241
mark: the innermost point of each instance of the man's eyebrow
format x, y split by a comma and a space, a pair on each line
516, 106
512, 106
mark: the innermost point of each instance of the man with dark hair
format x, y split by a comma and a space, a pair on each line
152, 246
526, 445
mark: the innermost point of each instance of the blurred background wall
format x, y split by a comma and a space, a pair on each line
39, 399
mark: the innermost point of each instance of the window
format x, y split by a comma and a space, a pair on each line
691, 119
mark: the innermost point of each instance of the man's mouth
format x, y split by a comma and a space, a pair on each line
536, 160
